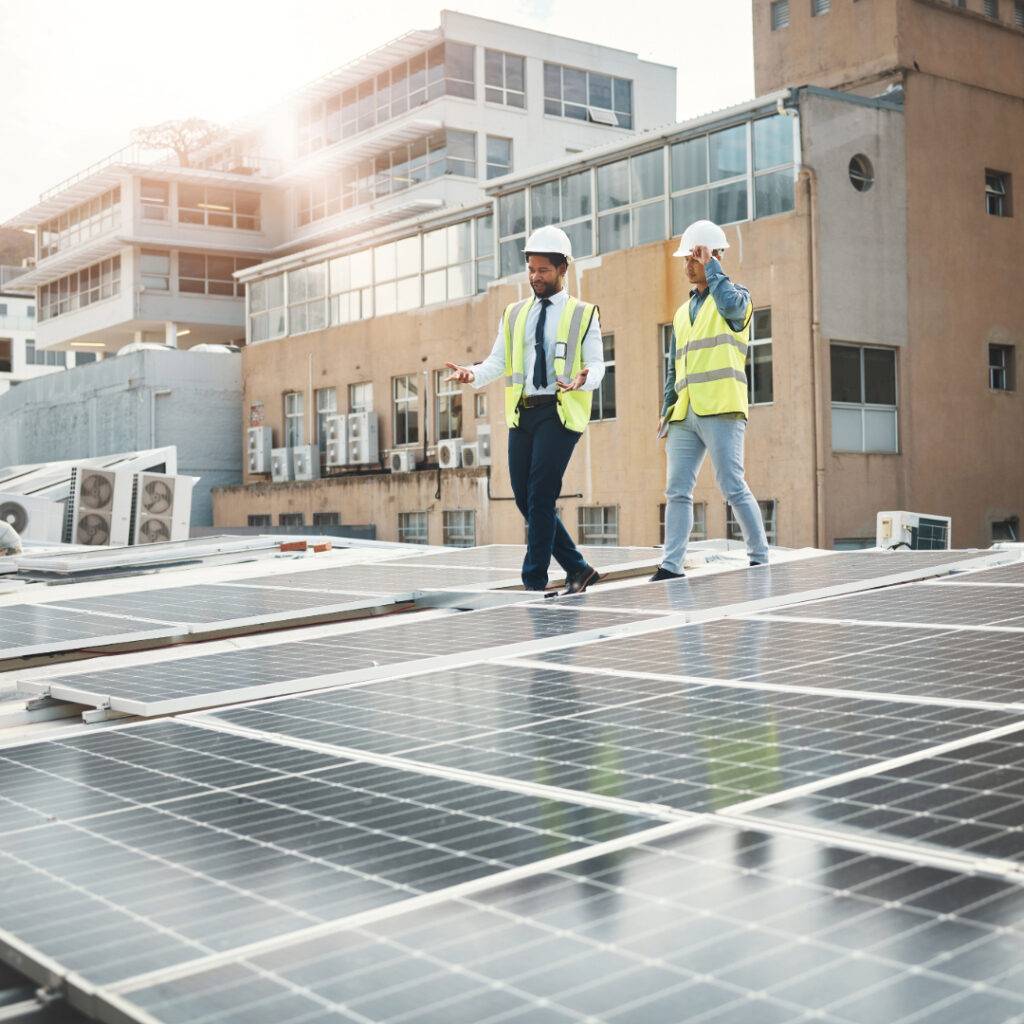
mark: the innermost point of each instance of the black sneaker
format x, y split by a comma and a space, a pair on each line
577, 584
752, 562
664, 574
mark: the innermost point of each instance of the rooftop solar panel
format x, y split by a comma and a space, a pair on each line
382, 578
1005, 575
716, 925
510, 556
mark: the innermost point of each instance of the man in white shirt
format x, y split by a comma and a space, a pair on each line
549, 386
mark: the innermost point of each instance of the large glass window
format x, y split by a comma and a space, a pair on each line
266, 308
412, 528
774, 172
588, 96
759, 358
634, 190
448, 411
294, 417
604, 397
568, 203
459, 528
307, 298
504, 78
598, 525
218, 207
83, 288
863, 399
449, 270
405, 397
396, 274
94, 217
499, 156
203, 274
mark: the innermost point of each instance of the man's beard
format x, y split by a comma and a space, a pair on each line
545, 291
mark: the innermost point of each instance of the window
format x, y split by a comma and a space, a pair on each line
54, 358
412, 528
568, 203
780, 14
350, 280
480, 406
700, 521
6, 355
396, 274
483, 230
588, 96
81, 289
635, 190
759, 358
773, 147
30, 351
81, 358
3, 308
997, 193
405, 397
505, 78
820, 7
1006, 529
260, 520
449, 406
1002, 370
991, 8
449, 271
499, 156
30, 311
294, 415
156, 200
155, 269
326, 519
511, 232
360, 397
211, 275
732, 526
291, 519
863, 399
604, 397
326, 405
307, 298
459, 528
218, 207
598, 525
862, 174
266, 308
95, 217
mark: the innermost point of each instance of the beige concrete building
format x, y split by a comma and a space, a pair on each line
868, 198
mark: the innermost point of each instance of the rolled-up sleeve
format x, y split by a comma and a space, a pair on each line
494, 365
593, 354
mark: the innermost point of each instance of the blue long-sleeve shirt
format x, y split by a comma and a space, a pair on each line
731, 300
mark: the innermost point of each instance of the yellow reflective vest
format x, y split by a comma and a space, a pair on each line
710, 361
573, 406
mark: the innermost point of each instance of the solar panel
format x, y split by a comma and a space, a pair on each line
230, 676
716, 925
1004, 575
778, 581
383, 578
925, 604
111, 895
510, 556
698, 748
971, 801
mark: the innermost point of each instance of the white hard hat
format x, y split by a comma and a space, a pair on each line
701, 232
549, 239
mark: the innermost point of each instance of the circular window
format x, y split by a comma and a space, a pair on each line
862, 174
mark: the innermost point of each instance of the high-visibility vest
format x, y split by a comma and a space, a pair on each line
710, 361
573, 406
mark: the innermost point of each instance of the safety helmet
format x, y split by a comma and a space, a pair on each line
549, 239
701, 232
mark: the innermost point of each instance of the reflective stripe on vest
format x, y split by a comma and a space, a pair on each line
710, 362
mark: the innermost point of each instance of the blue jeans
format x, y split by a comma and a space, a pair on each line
688, 442
539, 450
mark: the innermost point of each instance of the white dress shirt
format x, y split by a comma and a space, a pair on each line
493, 366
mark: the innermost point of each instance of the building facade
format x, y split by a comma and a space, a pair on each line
868, 198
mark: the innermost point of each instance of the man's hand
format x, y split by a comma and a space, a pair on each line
577, 382
663, 427
459, 374
702, 254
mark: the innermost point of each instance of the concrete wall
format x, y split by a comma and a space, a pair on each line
143, 400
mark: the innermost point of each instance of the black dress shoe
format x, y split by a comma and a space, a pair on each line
577, 584
664, 574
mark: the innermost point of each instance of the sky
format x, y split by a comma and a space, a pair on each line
77, 77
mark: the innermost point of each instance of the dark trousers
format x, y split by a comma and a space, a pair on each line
539, 450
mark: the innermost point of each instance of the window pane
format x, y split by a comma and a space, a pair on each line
773, 193
511, 257
407, 256
384, 264
515, 72
880, 430
761, 326
576, 196
773, 141
649, 223
493, 68
361, 269
553, 81
460, 281
409, 292
686, 209
544, 204
613, 231
727, 152
581, 238
648, 173
435, 249
458, 61
339, 273
879, 376
484, 236
612, 185
433, 287
728, 203
460, 242
386, 298
845, 362
601, 91
623, 98
192, 264
760, 368
574, 84
512, 214
847, 430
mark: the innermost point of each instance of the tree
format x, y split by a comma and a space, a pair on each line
182, 137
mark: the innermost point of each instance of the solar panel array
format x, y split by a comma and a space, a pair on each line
600, 814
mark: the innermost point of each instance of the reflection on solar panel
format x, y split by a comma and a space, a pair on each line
716, 925
696, 749
232, 676
1005, 575
926, 604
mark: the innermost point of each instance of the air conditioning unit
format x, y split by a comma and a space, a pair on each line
281, 465
449, 453
913, 530
483, 442
470, 455
306, 462
99, 508
36, 519
363, 443
259, 444
337, 441
161, 508
402, 460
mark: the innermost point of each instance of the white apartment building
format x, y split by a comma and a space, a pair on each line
20, 357
140, 249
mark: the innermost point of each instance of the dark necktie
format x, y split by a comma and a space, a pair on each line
540, 363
